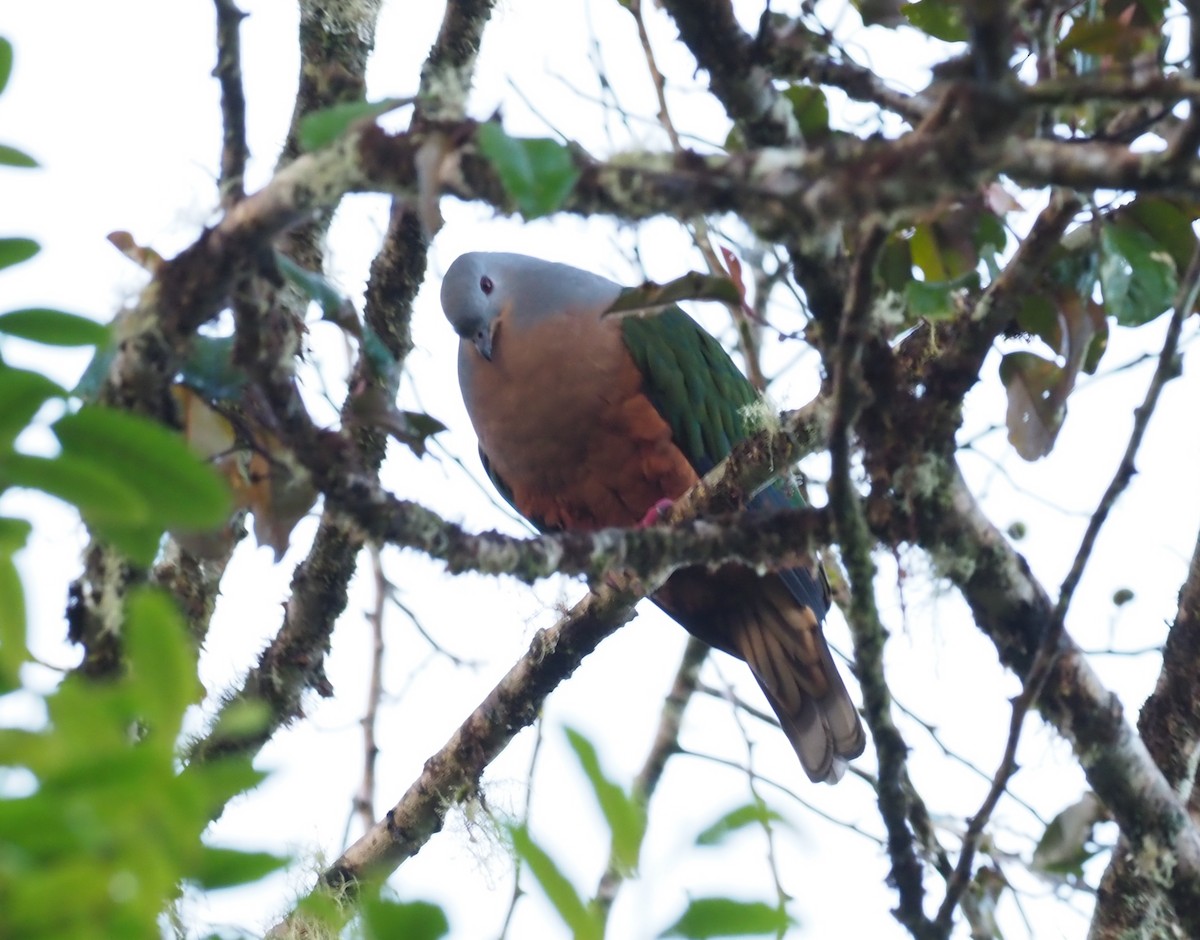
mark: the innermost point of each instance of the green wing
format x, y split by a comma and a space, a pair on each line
693, 384
703, 396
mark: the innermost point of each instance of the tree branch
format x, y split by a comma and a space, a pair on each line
1128, 903
452, 774
850, 394
1014, 611
294, 661
228, 71
711, 31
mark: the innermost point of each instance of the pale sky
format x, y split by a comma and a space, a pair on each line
118, 104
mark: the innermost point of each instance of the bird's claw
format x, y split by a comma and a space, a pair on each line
656, 513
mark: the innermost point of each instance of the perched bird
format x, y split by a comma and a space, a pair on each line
586, 421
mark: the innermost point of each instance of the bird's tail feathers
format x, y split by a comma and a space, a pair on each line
783, 645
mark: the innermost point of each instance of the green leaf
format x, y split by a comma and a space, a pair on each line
11, 156
751, 814
242, 718
895, 263
725, 917
582, 919
180, 489
13, 535
1067, 842
1097, 343
938, 19
6, 62
318, 910
210, 370
335, 306
164, 683
879, 12
538, 173
325, 126
990, 235
403, 920
99, 493
223, 779
1109, 38
980, 900
411, 428
811, 110
931, 300
53, 327
1038, 315
1137, 275
22, 393
1168, 222
89, 384
138, 543
224, 868
12, 626
15, 250
625, 815
381, 360
113, 824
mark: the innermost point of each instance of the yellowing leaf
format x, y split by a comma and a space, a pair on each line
1035, 405
1037, 389
208, 432
146, 258
926, 254
279, 494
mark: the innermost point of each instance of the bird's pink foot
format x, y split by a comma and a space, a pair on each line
655, 513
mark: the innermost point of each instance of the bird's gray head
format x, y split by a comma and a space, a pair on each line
479, 286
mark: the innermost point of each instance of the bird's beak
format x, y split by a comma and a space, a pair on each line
483, 341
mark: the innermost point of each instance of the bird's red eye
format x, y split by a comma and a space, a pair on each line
486, 285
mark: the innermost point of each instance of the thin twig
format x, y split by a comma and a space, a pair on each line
786, 791
451, 775
228, 71
364, 802
665, 744
931, 730
1048, 647
781, 896
517, 892
1167, 369
394, 597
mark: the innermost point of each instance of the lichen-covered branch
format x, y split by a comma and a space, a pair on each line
1170, 721
792, 53
1013, 609
1128, 903
294, 660
850, 394
712, 33
951, 375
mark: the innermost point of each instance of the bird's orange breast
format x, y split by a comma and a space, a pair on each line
562, 418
